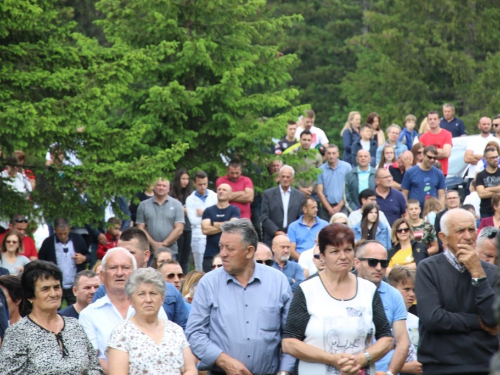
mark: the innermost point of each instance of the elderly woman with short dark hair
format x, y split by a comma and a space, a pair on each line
146, 344
45, 342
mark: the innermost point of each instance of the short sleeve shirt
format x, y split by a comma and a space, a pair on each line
318, 136
425, 233
456, 126
438, 140
486, 179
218, 215
421, 184
160, 219
146, 356
240, 185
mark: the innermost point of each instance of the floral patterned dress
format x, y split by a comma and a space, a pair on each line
147, 357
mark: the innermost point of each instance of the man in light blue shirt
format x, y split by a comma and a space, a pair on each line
371, 263
330, 184
358, 179
303, 232
239, 311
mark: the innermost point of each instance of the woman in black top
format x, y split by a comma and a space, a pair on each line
181, 189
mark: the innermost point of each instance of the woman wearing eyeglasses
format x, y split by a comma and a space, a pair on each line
45, 342
12, 246
371, 228
334, 314
407, 252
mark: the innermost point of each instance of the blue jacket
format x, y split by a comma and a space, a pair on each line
173, 304
383, 234
349, 136
406, 137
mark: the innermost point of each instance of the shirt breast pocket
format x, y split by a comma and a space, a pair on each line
270, 318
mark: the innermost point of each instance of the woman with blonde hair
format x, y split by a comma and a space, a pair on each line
378, 134
424, 127
387, 157
339, 217
350, 134
191, 278
431, 208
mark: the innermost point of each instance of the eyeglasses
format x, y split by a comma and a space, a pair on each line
23, 220
268, 262
172, 275
372, 262
402, 230
316, 256
10, 241
431, 157
214, 266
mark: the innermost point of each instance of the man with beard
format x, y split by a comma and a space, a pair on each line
293, 271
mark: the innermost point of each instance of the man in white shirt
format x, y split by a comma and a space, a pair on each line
475, 147
196, 203
101, 317
318, 136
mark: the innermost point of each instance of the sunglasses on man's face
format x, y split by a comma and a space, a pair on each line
214, 266
268, 262
372, 262
430, 157
172, 275
23, 220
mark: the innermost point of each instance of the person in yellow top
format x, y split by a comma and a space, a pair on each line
406, 251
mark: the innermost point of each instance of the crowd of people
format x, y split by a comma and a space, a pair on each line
372, 267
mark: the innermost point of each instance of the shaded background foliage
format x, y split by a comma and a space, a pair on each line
168, 83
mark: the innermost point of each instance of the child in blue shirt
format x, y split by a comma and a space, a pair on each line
409, 134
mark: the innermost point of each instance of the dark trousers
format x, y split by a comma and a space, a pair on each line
184, 250
69, 296
207, 264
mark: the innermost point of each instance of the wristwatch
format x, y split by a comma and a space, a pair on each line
283, 373
477, 281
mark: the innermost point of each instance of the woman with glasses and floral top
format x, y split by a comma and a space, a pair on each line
12, 246
407, 252
44, 342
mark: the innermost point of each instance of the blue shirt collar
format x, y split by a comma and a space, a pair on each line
257, 275
199, 195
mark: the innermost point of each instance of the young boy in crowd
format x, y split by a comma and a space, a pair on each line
289, 140
365, 142
112, 235
409, 136
403, 279
422, 230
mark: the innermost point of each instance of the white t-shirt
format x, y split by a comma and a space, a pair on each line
365, 145
306, 261
473, 198
477, 145
318, 136
412, 326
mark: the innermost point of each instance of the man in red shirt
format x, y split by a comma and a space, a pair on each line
439, 138
242, 194
19, 223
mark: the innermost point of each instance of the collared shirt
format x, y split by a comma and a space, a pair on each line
450, 257
302, 235
285, 198
364, 179
64, 256
393, 205
333, 180
160, 219
246, 323
292, 271
100, 318
455, 126
172, 304
202, 197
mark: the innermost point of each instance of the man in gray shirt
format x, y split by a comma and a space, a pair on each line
241, 302
161, 217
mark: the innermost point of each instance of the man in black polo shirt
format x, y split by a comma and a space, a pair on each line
451, 123
488, 182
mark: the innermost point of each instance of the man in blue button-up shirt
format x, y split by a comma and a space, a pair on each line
293, 271
239, 311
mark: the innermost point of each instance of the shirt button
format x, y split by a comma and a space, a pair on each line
246, 305
247, 321
248, 338
248, 356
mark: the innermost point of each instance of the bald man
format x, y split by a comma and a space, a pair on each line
264, 255
212, 220
293, 272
